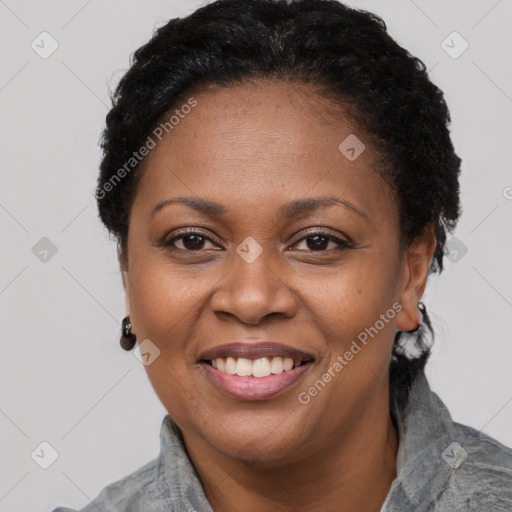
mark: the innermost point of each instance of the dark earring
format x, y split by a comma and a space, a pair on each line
128, 339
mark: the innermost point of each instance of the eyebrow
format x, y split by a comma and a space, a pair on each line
286, 211
209, 208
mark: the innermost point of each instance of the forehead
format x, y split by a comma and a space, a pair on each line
260, 143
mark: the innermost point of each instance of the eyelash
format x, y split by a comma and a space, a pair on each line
342, 244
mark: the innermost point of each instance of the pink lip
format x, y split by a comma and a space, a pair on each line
255, 388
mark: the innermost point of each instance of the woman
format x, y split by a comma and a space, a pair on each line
280, 178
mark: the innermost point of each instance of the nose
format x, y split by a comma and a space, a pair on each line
252, 291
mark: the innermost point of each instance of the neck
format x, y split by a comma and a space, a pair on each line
348, 473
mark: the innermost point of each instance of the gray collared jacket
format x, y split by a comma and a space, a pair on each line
441, 466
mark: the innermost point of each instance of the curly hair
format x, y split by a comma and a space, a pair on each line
347, 56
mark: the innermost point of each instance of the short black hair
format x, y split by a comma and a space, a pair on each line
347, 55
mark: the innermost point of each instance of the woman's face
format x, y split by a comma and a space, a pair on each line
260, 268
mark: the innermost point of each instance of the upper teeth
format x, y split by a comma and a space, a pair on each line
262, 367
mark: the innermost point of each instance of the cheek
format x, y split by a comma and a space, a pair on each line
163, 299
367, 288
358, 316
164, 306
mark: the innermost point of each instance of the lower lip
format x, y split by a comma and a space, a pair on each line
255, 388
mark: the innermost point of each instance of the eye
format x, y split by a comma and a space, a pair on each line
193, 240
319, 241
189, 240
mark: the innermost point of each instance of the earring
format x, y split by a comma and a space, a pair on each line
422, 309
128, 339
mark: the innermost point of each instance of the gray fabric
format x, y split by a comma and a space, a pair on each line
433, 474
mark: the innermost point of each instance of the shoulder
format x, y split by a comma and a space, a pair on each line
168, 482
444, 465
132, 492
480, 472
485, 449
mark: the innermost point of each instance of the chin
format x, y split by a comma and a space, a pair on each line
257, 442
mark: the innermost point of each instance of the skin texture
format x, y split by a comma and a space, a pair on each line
253, 148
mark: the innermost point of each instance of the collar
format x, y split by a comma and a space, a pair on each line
177, 486
425, 430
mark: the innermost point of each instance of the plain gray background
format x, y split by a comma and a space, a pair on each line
64, 378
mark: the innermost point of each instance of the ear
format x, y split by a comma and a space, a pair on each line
415, 266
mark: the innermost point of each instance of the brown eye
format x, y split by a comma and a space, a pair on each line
189, 241
319, 241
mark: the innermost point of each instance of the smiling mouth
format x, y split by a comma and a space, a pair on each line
258, 368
